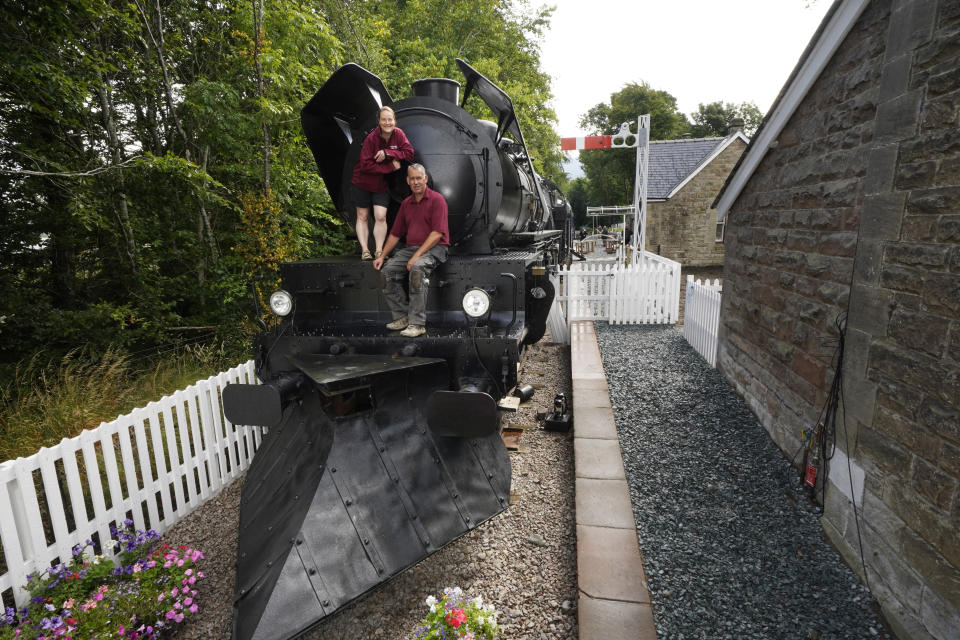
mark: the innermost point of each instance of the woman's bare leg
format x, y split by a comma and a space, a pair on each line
379, 226
363, 228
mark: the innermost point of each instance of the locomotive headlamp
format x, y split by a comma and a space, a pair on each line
476, 303
281, 302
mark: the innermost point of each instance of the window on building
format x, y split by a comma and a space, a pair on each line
720, 227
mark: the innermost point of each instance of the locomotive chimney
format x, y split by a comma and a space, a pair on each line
442, 88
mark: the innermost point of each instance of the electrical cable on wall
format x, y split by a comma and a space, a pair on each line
822, 440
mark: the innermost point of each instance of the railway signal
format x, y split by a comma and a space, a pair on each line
625, 139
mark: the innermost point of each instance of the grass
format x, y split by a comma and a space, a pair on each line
44, 402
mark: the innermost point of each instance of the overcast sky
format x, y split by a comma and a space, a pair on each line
699, 51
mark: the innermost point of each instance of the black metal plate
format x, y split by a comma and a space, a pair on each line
252, 404
328, 369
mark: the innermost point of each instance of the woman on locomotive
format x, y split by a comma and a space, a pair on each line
381, 153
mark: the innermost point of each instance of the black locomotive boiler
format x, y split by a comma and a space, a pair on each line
380, 450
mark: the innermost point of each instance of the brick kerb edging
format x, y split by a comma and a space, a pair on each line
614, 601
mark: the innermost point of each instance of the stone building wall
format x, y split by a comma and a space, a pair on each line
856, 210
684, 228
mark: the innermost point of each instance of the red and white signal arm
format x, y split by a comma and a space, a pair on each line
585, 142
622, 139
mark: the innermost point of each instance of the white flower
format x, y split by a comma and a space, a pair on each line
431, 601
433, 608
481, 620
457, 591
478, 601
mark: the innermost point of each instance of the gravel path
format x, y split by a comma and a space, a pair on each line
731, 545
523, 561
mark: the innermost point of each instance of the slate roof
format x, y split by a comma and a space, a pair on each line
673, 161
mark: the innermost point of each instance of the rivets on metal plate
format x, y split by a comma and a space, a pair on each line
312, 572
366, 541
333, 469
326, 603
348, 502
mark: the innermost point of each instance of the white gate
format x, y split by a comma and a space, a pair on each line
174, 454
701, 317
647, 292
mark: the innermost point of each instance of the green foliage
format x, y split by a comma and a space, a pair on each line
44, 401
713, 119
132, 132
577, 196
610, 172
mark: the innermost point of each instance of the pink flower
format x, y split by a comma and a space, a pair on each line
121, 631
193, 608
188, 601
456, 618
178, 617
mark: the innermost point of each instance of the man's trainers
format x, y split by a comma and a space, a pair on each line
366, 255
396, 325
414, 331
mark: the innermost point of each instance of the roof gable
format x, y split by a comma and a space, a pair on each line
673, 163
831, 33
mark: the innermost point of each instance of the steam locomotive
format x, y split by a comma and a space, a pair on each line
380, 450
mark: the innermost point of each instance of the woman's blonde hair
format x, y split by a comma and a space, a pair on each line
386, 108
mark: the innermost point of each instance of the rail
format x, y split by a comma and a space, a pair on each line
154, 465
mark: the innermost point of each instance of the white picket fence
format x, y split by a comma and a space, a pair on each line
174, 454
701, 317
647, 292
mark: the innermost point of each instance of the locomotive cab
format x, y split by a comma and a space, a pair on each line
379, 450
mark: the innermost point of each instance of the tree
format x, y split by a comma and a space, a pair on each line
577, 196
151, 152
713, 119
611, 172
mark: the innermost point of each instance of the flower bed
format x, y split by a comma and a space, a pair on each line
457, 615
148, 591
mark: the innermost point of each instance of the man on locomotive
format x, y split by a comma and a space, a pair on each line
422, 219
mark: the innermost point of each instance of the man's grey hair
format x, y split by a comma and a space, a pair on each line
418, 167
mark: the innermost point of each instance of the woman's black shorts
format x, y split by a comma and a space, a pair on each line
364, 199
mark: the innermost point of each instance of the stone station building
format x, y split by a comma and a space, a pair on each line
684, 178
847, 205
